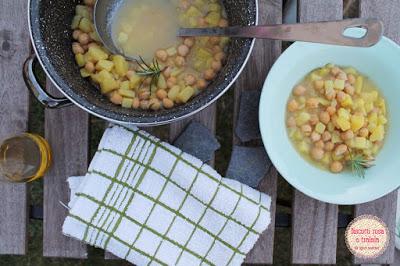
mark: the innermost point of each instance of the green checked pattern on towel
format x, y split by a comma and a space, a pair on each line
152, 204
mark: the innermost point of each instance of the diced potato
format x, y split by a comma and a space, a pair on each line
85, 25
173, 92
171, 51
344, 113
381, 105
347, 102
304, 147
326, 159
371, 126
176, 72
373, 118
359, 143
324, 71
127, 93
185, 94
127, 103
350, 70
377, 134
320, 128
75, 22
339, 84
94, 36
370, 96
121, 65
357, 122
297, 135
213, 7
213, 18
103, 74
324, 101
382, 120
359, 84
302, 118
80, 60
124, 85
104, 65
343, 123
328, 84
335, 138
193, 12
108, 85
162, 83
82, 11
134, 81
369, 106
96, 53
85, 73
314, 76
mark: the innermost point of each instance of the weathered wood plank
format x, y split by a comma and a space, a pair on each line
314, 223
384, 208
252, 78
67, 131
14, 107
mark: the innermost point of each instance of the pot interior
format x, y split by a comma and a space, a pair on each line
50, 24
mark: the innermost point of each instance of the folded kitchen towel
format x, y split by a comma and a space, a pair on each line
152, 204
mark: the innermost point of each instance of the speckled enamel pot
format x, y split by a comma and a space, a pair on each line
49, 23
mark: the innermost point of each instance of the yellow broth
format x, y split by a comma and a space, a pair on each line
334, 114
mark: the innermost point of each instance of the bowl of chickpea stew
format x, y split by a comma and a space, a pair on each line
69, 52
327, 120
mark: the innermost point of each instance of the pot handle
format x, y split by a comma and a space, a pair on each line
40, 94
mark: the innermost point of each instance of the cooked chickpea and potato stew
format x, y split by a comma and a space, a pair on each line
173, 75
336, 117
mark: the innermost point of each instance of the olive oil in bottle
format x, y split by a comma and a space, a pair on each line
24, 158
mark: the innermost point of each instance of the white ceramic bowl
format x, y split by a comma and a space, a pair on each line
381, 64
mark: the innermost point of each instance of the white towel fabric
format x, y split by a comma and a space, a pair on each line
150, 203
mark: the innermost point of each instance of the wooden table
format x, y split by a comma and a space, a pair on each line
314, 223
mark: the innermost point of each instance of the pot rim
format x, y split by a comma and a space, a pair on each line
145, 124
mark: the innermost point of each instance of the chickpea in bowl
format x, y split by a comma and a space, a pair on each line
336, 117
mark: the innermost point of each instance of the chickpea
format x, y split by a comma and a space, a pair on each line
326, 136
305, 128
161, 94
340, 149
85, 47
312, 103
183, 50
77, 48
92, 44
162, 55
324, 117
144, 104
299, 90
171, 82
167, 72
201, 22
329, 146
349, 89
336, 167
214, 40
216, 65
291, 122
335, 71
342, 76
315, 136
223, 23
314, 119
341, 96
83, 38
331, 110
116, 98
293, 105
319, 84
351, 79
219, 56
330, 95
184, 4
216, 49
154, 104
189, 42
76, 33
89, 66
364, 132
347, 135
136, 103
180, 61
201, 84
190, 79
209, 74
167, 103
317, 153
319, 144
144, 94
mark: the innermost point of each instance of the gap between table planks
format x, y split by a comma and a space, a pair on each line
314, 223
14, 108
385, 207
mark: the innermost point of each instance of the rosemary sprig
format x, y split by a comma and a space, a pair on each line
359, 164
146, 70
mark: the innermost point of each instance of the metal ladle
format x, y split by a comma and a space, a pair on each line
331, 32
